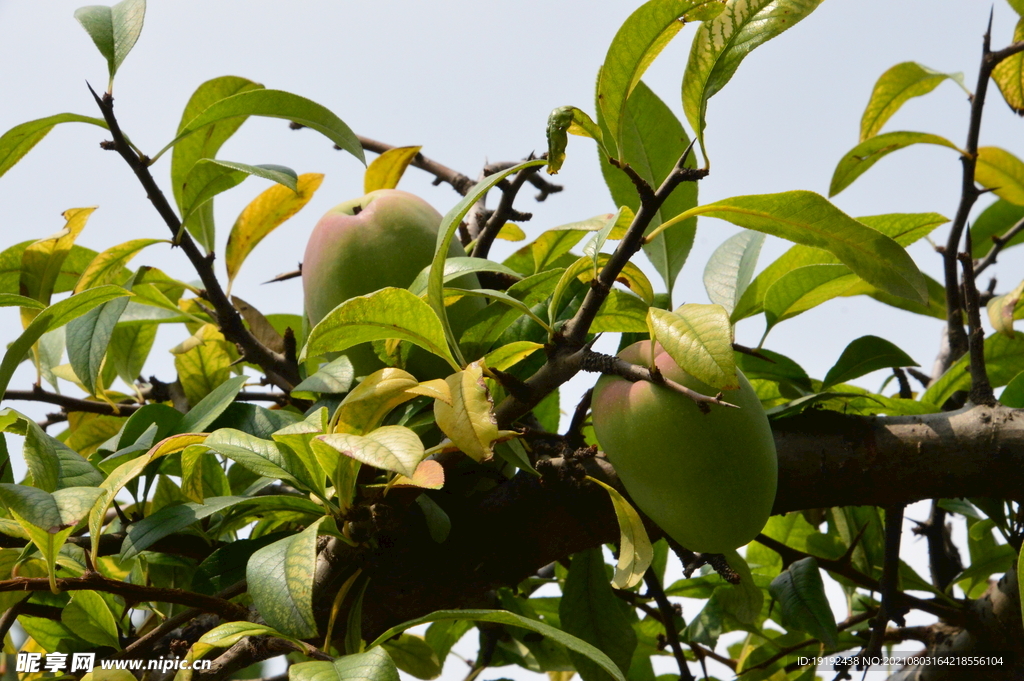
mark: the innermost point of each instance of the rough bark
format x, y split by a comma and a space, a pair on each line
826, 459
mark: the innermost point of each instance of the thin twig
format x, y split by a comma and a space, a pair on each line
574, 435
889, 586
133, 592
969, 193
282, 373
609, 364
998, 244
668, 620
141, 646
569, 343
981, 387
73, 404
502, 213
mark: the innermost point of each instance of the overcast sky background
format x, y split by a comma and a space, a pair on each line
474, 82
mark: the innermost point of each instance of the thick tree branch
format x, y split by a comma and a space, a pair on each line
283, 374
826, 459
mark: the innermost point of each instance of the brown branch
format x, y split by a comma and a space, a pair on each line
981, 387
282, 373
568, 348
889, 586
131, 592
998, 244
609, 364
141, 646
442, 173
73, 404
502, 213
668, 620
969, 193
944, 561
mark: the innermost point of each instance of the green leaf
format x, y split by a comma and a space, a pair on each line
88, 338
386, 314
373, 665
803, 288
225, 636
48, 519
114, 29
390, 448
263, 457
1013, 395
189, 150
590, 611
89, 616
800, 593
276, 104
1009, 74
731, 267
1002, 172
510, 619
14, 300
897, 85
20, 139
1017, 5
53, 317
263, 215
458, 267
723, 42
335, 377
653, 140
780, 369
903, 228
446, 231
699, 339
210, 407
210, 177
995, 220
635, 550
869, 152
635, 46
1004, 359
621, 312
280, 579
504, 299
864, 355
809, 219
562, 122
413, 656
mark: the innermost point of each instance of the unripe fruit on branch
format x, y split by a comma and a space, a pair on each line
384, 238
708, 480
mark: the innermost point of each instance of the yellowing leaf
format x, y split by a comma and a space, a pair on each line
41, 261
265, 214
699, 339
429, 475
1002, 172
635, 550
469, 420
509, 355
510, 231
368, 403
107, 266
1009, 74
390, 448
387, 169
1001, 310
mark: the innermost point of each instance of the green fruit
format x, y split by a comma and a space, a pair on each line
384, 238
708, 480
